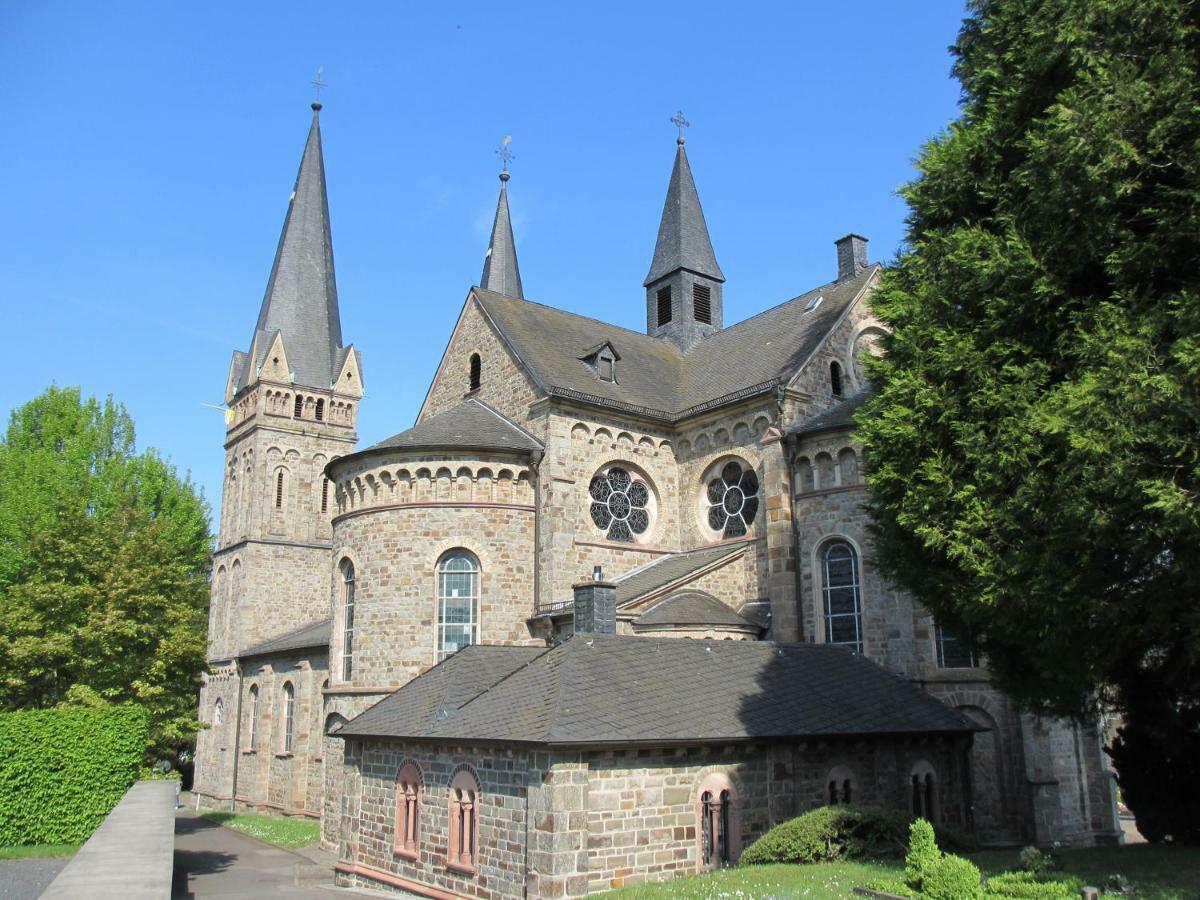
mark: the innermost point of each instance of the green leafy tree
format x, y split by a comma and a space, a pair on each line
104, 558
1035, 435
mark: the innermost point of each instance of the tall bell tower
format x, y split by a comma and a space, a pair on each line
293, 406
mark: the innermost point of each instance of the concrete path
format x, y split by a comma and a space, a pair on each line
212, 861
25, 879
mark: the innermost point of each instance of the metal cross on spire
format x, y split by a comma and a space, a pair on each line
317, 83
681, 123
505, 154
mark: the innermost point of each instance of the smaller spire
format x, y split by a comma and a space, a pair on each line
500, 271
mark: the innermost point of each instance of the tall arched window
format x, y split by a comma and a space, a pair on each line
218, 713
843, 596
464, 821
476, 373
298, 409
251, 716
279, 489
347, 570
320, 412
924, 791
408, 810
716, 812
289, 716
835, 378
458, 602
324, 495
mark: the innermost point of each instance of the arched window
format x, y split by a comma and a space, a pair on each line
716, 812
840, 786
251, 716
924, 791
298, 409
835, 378
279, 489
464, 821
622, 504
320, 412
458, 602
347, 570
408, 810
289, 716
476, 374
843, 597
218, 713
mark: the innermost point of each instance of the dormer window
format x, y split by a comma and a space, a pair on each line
603, 361
607, 367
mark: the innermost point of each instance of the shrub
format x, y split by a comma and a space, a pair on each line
63, 770
1032, 886
1034, 860
952, 878
923, 853
828, 833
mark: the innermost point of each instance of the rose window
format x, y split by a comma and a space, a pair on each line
619, 504
732, 500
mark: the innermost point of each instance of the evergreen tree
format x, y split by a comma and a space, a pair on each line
104, 558
1035, 436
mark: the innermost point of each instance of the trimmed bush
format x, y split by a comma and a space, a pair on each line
1032, 886
952, 878
922, 855
828, 833
63, 770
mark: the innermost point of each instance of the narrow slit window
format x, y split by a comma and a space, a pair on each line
324, 495
279, 489
842, 596
298, 409
835, 379
289, 716
476, 373
702, 303
347, 620
320, 411
664, 305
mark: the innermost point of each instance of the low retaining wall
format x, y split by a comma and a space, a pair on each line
130, 856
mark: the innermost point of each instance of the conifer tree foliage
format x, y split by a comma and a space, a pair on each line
104, 559
1035, 432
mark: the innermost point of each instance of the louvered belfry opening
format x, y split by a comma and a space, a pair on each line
702, 303
664, 305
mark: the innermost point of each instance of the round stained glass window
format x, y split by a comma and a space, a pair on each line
619, 504
732, 500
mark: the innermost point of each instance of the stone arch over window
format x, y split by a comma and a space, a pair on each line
218, 718
464, 820
475, 374
410, 788
841, 787
804, 475
320, 411
841, 593
848, 466
835, 378
288, 717
458, 592
346, 590
729, 498
298, 409
251, 716
825, 472
622, 502
717, 822
922, 778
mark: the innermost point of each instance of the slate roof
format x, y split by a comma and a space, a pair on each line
614, 690
472, 425
692, 608
683, 241
301, 297
835, 418
305, 637
653, 377
500, 271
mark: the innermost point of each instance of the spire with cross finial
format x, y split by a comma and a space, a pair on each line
681, 123
500, 271
318, 84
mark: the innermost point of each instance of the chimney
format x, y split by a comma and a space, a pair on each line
595, 605
851, 255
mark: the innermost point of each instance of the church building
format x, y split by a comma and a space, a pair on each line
607, 611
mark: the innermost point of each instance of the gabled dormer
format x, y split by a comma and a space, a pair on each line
602, 359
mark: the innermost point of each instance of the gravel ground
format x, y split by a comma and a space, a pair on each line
25, 879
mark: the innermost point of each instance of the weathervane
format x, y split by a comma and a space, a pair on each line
681, 123
506, 155
317, 83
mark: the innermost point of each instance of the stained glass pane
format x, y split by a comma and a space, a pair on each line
455, 637
638, 495
843, 629
599, 488
620, 531
457, 610
601, 516
716, 490
749, 509
716, 518
732, 473
460, 584
733, 500
618, 479
639, 521
749, 482
735, 527
618, 505
839, 570
842, 600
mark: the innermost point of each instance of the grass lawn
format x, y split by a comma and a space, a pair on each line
1158, 873
286, 833
34, 851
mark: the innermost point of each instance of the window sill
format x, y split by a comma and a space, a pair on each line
461, 868
286, 754
248, 751
406, 853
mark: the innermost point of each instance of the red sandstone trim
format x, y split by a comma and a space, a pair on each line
417, 887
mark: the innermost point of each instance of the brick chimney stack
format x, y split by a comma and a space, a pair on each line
851, 255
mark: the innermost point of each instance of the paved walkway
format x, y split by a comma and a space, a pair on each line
212, 861
25, 879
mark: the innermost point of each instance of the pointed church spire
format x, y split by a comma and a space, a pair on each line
683, 241
500, 272
301, 298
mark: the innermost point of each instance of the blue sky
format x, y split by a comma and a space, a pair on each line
149, 151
